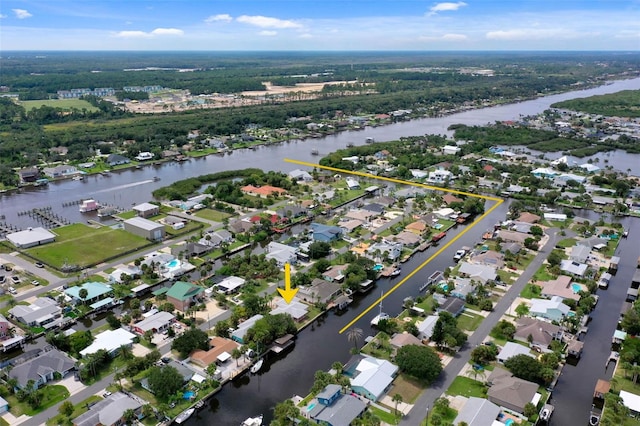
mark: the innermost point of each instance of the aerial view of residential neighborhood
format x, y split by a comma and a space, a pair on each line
278, 236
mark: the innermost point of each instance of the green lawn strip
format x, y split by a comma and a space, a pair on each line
78, 409
51, 395
189, 227
95, 246
127, 215
466, 386
468, 321
211, 214
3, 422
567, 242
531, 291
506, 277
66, 104
388, 418
542, 274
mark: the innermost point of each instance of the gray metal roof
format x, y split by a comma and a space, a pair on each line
42, 365
108, 411
477, 412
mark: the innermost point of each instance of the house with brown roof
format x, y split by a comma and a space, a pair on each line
537, 332
509, 391
528, 217
218, 346
450, 198
408, 239
29, 174
512, 236
263, 191
490, 257
403, 339
560, 287
418, 227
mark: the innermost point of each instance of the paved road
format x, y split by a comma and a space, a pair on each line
416, 416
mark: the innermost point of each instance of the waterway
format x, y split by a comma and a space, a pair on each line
573, 393
133, 186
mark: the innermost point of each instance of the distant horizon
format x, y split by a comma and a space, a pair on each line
300, 25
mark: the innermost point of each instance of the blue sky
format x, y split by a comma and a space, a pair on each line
319, 25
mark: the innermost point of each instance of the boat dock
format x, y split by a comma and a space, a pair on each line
282, 343
46, 216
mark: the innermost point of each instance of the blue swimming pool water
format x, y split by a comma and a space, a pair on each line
378, 267
444, 286
310, 406
509, 422
437, 225
188, 395
173, 263
576, 287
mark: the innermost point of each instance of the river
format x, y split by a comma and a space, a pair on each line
134, 186
320, 345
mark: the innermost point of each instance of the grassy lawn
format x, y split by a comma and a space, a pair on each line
388, 418
466, 386
468, 321
127, 215
66, 104
189, 227
428, 304
408, 387
542, 274
531, 291
78, 409
507, 277
567, 242
210, 214
82, 245
51, 395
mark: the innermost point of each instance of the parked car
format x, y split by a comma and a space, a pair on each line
106, 394
2, 279
12, 290
16, 279
39, 265
35, 282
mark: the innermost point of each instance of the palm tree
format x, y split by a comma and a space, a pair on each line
83, 293
353, 335
236, 354
337, 367
397, 398
125, 352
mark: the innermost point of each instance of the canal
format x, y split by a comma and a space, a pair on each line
573, 393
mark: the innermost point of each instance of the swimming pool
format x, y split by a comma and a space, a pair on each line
443, 285
311, 406
509, 422
378, 267
188, 395
173, 264
577, 288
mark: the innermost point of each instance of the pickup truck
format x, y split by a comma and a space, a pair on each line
460, 254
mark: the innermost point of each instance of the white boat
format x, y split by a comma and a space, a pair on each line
257, 366
253, 421
396, 272
182, 417
381, 315
78, 177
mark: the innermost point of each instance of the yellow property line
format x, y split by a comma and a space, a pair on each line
436, 254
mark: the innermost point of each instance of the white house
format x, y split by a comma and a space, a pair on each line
450, 150
144, 156
510, 349
352, 183
440, 176
553, 309
426, 326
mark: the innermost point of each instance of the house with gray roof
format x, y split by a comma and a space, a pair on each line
477, 412
426, 326
573, 268
301, 175
462, 288
109, 411
41, 312
510, 349
453, 305
371, 377
542, 332
481, 273
553, 310
43, 368
319, 291
296, 309
239, 333
510, 392
282, 253
334, 408
580, 253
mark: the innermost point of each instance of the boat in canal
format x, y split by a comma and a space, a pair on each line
182, 417
257, 366
381, 315
315, 152
253, 421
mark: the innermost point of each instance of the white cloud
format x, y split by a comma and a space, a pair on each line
167, 31
305, 35
2, 16
526, 34
222, 17
268, 33
156, 32
21, 13
445, 37
445, 7
267, 22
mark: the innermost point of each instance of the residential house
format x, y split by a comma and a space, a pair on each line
375, 208
334, 408
263, 191
509, 391
60, 171
573, 268
537, 332
426, 326
4, 405
156, 323
403, 339
239, 333
325, 233
631, 401
440, 176
300, 175
348, 226
561, 287
418, 174
419, 227
450, 198
183, 294
95, 292
183, 370
40, 313
513, 248
43, 369
489, 258
116, 160
478, 412
110, 341
384, 200
453, 305
528, 217
358, 214
124, 271
5, 328
319, 291
296, 309
510, 349
282, 253
480, 273
513, 236
291, 211
580, 253
191, 249
218, 346
553, 310
444, 213
370, 377
462, 288
110, 411
230, 285
393, 250
352, 183
29, 174
146, 210
407, 239
450, 150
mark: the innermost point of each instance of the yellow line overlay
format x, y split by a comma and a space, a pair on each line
433, 256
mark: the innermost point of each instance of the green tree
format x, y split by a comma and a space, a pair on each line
484, 354
421, 362
114, 322
66, 408
522, 310
190, 340
319, 249
397, 398
83, 293
525, 367
354, 334
164, 381
529, 410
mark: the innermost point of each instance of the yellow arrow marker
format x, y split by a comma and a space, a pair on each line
288, 293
